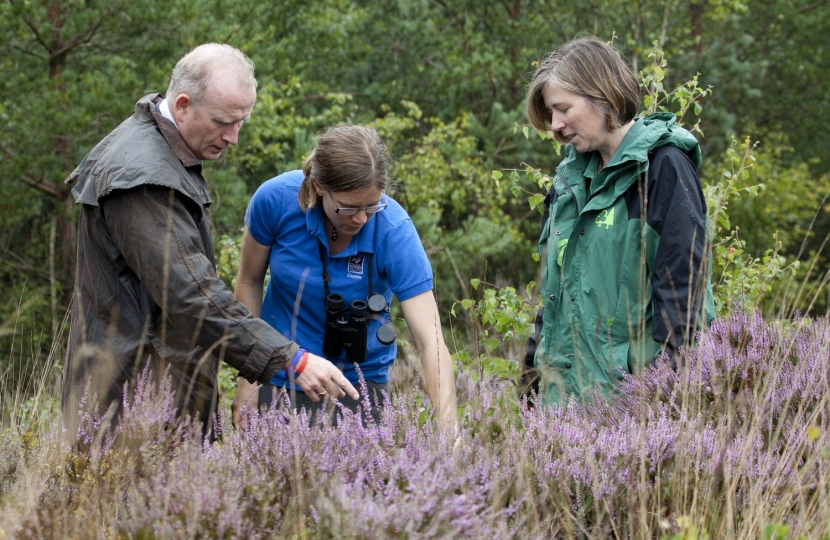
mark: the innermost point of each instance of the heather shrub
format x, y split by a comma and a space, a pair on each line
733, 444
735, 439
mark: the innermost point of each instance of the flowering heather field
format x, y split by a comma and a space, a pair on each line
733, 445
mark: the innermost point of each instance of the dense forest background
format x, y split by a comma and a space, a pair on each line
443, 81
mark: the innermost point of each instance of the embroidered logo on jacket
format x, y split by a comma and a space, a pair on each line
606, 217
561, 245
355, 268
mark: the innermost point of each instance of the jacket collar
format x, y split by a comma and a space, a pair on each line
146, 110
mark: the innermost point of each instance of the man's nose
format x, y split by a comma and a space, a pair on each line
231, 133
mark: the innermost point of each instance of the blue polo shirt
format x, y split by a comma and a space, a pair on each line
294, 295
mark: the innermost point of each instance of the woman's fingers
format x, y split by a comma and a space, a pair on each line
321, 378
343, 386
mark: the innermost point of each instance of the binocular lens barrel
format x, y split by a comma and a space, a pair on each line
356, 334
359, 309
334, 302
348, 330
332, 341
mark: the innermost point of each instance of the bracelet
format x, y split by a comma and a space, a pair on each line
299, 369
297, 356
298, 363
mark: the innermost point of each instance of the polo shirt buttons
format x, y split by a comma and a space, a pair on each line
567, 366
573, 298
552, 297
582, 233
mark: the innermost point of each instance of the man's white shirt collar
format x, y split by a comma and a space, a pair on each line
164, 109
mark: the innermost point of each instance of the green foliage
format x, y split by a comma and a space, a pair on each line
35, 414
460, 213
776, 531
765, 58
503, 314
745, 280
791, 208
741, 280
280, 134
686, 96
441, 170
227, 264
444, 83
792, 198
486, 366
535, 177
226, 383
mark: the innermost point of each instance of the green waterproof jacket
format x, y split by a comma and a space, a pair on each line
625, 256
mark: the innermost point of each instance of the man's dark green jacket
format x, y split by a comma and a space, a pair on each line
625, 255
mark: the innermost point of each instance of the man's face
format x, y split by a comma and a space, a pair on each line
213, 125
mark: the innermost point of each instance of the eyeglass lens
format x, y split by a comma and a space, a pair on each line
350, 211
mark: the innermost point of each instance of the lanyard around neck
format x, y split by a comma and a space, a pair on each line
321, 248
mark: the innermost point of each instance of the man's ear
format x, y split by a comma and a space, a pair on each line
180, 105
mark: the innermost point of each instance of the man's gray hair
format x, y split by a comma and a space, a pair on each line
192, 73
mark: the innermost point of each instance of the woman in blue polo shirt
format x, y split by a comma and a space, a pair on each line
328, 230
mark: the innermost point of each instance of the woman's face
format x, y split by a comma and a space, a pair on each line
576, 120
349, 225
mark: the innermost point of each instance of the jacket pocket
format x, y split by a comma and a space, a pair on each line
619, 360
642, 352
612, 346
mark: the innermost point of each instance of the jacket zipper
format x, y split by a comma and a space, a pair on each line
568, 187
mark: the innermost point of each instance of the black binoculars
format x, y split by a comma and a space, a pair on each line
346, 329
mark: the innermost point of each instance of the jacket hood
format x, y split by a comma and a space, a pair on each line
654, 131
141, 151
631, 158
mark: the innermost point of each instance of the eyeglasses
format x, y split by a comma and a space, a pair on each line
350, 211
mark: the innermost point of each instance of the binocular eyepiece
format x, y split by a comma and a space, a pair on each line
347, 329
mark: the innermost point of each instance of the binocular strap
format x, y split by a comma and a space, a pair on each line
327, 277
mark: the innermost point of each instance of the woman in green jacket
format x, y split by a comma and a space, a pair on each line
625, 246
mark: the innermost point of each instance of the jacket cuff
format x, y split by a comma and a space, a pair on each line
264, 362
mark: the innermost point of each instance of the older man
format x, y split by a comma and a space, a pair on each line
146, 294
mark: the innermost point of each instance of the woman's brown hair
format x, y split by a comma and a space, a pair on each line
346, 158
590, 68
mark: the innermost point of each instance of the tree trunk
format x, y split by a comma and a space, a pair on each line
696, 9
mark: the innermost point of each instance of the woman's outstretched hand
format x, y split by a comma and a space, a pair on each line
321, 378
